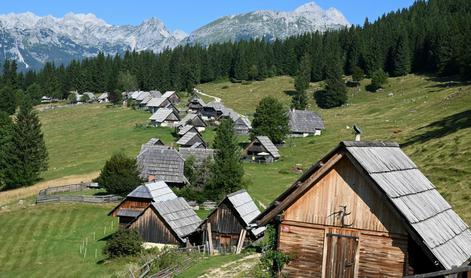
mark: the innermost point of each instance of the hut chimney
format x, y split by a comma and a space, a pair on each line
357, 132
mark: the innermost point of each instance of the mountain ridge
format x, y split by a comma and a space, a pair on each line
33, 40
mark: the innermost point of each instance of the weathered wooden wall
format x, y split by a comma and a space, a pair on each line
305, 245
151, 228
345, 186
372, 242
225, 226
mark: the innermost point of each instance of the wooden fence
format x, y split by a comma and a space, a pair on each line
50, 195
144, 270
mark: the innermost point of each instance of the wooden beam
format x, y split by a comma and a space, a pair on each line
301, 189
241, 240
210, 238
441, 273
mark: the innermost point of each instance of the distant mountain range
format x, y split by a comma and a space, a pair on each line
33, 40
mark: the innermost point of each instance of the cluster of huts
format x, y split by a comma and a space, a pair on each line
161, 217
363, 210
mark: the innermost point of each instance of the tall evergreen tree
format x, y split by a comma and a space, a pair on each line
227, 168
5, 140
7, 100
401, 63
270, 119
301, 83
27, 152
335, 91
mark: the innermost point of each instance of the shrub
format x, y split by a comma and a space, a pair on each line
378, 79
357, 74
123, 243
272, 260
119, 175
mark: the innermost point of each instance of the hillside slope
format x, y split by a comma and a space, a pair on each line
430, 118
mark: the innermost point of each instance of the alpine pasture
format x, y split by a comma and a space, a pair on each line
430, 118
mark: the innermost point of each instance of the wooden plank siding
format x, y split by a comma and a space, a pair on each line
344, 186
225, 227
371, 241
305, 246
152, 229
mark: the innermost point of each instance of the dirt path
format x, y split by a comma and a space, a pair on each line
216, 99
233, 269
25, 192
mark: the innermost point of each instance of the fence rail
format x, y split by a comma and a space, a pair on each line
144, 270
49, 195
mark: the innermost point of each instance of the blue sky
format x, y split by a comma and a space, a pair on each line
187, 15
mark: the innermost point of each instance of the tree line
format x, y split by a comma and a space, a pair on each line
429, 37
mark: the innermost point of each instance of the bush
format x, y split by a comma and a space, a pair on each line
357, 74
119, 175
329, 99
378, 79
123, 243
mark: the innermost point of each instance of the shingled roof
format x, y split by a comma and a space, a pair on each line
164, 163
424, 210
302, 121
158, 191
200, 155
185, 129
189, 139
269, 146
156, 102
246, 208
161, 115
179, 216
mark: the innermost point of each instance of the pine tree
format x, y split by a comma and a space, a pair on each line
27, 152
401, 63
227, 168
5, 140
335, 91
270, 119
240, 68
7, 100
301, 83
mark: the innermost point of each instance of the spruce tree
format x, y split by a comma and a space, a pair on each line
301, 83
27, 152
335, 91
7, 100
5, 140
401, 63
227, 167
270, 119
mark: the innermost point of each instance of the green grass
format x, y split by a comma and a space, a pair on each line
400, 113
44, 241
85, 192
80, 139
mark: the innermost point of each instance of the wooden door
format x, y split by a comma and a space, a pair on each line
340, 255
225, 241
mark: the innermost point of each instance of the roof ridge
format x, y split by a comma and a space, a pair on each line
237, 193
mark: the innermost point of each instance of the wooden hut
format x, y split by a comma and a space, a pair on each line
182, 130
194, 120
140, 198
164, 117
228, 225
171, 96
303, 123
262, 150
167, 222
156, 162
190, 139
195, 104
365, 210
156, 103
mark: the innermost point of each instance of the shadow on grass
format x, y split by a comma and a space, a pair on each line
106, 238
290, 92
447, 81
443, 127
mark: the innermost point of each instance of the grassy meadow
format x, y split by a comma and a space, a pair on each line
44, 241
430, 118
